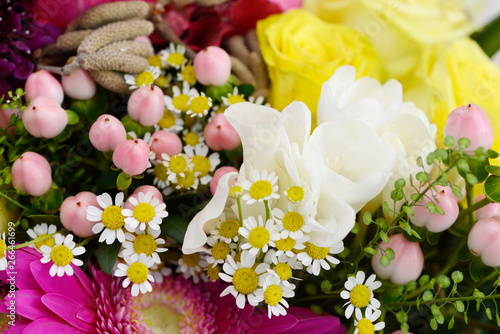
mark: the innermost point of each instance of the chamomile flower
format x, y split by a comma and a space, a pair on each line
220, 251
145, 78
202, 165
366, 324
137, 273
186, 74
360, 294
233, 98
177, 165
261, 186
194, 135
244, 277
294, 194
315, 257
179, 102
62, 255
288, 245
147, 211
3, 253
258, 100
294, 224
160, 174
273, 293
213, 273
193, 266
226, 230
199, 105
109, 218
188, 181
292, 261
135, 245
174, 56
41, 230
259, 235
283, 271
170, 122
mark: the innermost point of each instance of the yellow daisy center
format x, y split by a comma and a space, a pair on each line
191, 260
160, 172
191, 138
176, 59
235, 192
155, 61
162, 81
47, 242
293, 221
137, 273
233, 99
360, 296
220, 250
61, 256
261, 189
258, 237
229, 229
283, 270
365, 326
285, 244
167, 120
3, 247
273, 295
177, 164
295, 194
315, 252
201, 165
112, 217
188, 75
186, 181
199, 105
245, 280
213, 273
181, 102
145, 243
144, 78
144, 212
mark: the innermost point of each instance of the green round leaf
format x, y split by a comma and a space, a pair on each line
492, 188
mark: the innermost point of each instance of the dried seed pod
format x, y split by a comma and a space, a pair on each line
114, 32
113, 61
131, 47
258, 69
237, 47
70, 41
113, 12
110, 80
253, 41
165, 31
242, 72
209, 3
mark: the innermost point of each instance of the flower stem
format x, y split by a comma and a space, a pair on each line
14, 201
45, 237
473, 207
440, 300
268, 212
239, 210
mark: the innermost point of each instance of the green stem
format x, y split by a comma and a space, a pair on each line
240, 214
45, 237
469, 190
439, 300
473, 207
14, 201
86, 241
268, 212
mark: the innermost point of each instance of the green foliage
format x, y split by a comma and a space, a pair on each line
107, 255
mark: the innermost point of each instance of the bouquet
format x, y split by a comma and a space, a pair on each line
206, 166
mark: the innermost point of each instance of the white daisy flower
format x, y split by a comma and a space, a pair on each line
160, 174
220, 251
292, 261
233, 98
226, 229
283, 271
244, 278
366, 324
3, 253
360, 294
171, 122
108, 217
174, 56
41, 230
194, 135
145, 78
273, 293
261, 186
193, 266
202, 165
179, 101
294, 224
62, 255
199, 105
147, 212
259, 236
315, 257
186, 74
177, 166
287, 246
135, 245
159, 272
258, 100
137, 273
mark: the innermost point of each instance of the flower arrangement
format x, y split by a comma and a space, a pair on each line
166, 170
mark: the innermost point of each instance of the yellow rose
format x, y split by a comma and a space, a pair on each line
398, 28
302, 52
453, 75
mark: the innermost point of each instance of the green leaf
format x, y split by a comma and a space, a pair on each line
488, 313
476, 168
385, 208
399, 184
384, 237
460, 306
476, 269
464, 142
433, 324
123, 181
370, 250
384, 261
487, 38
246, 90
490, 154
389, 252
492, 188
422, 177
367, 218
409, 211
175, 227
463, 165
495, 170
217, 92
471, 179
49, 219
431, 207
419, 162
451, 323
72, 117
107, 255
466, 319
355, 229
456, 191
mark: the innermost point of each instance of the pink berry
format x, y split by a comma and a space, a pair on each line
471, 122
106, 133
5, 115
218, 174
146, 105
434, 222
144, 189
44, 117
212, 66
132, 156
487, 211
163, 141
32, 173
74, 213
484, 240
220, 134
42, 83
79, 85
407, 264
400, 332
